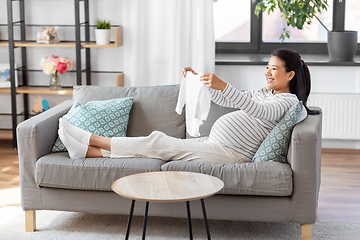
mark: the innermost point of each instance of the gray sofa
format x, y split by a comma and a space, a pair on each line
261, 191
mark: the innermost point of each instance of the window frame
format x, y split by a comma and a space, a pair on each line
256, 44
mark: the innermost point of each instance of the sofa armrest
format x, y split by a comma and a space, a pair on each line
305, 160
38, 134
35, 138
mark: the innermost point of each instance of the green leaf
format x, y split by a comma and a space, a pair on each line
282, 38
297, 13
257, 11
103, 24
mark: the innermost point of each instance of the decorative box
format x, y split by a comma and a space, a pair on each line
47, 35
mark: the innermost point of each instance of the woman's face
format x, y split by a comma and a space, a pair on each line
276, 76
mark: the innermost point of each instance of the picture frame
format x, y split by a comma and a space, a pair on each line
5, 76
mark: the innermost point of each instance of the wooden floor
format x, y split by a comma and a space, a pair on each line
339, 198
9, 175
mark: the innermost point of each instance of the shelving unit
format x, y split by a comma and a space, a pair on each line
5, 133
44, 90
5, 90
117, 43
78, 45
4, 43
39, 90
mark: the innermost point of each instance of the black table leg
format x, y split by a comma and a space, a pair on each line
188, 214
145, 220
205, 219
189, 219
130, 219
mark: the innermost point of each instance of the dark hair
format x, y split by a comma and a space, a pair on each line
300, 85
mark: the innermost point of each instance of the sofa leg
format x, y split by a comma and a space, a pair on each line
306, 232
30, 221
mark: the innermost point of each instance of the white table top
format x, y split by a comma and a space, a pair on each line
167, 186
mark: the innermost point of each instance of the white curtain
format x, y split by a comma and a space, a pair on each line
163, 36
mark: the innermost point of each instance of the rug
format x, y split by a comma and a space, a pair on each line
84, 226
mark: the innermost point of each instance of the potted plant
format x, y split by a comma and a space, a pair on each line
341, 44
102, 32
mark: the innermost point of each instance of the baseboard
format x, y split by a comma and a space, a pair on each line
340, 144
337, 150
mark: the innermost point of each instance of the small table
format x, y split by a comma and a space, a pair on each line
167, 186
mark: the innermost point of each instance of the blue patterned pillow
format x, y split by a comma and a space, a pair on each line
276, 144
103, 118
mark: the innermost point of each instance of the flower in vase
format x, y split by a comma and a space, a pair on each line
62, 68
53, 64
54, 61
48, 68
67, 61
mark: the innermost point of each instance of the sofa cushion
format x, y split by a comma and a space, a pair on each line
153, 107
103, 118
57, 170
258, 178
276, 144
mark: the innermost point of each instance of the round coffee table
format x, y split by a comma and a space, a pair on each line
167, 186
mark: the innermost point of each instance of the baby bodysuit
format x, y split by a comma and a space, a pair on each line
196, 98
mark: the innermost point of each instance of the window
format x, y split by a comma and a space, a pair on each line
273, 25
232, 21
352, 16
249, 34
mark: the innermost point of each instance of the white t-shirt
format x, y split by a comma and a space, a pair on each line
197, 98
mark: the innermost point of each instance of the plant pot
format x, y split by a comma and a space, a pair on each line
342, 45
102, 36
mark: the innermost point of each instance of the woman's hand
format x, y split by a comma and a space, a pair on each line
212, 81
188, 69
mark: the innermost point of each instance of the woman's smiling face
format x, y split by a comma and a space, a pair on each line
276, 76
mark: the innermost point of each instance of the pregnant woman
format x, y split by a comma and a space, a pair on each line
234, 137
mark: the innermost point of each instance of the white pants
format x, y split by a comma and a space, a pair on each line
160, 146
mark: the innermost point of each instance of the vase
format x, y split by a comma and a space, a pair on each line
55, 81
342, 45
102, 36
